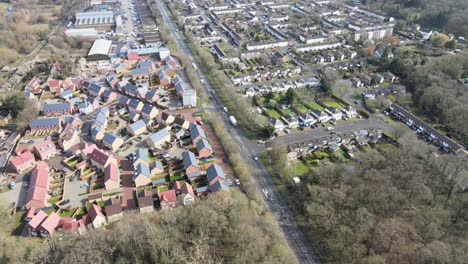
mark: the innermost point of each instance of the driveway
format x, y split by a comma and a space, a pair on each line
17, 195
73, 192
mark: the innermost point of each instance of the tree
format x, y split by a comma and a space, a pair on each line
291, 96
452, 44
269, 130
439, 40
30, 112
14, 102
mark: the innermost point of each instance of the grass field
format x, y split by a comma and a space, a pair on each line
314, 105
274, 113
301, 108
333, 103
301, 168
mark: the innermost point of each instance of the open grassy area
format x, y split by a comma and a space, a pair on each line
301, 108
67, 213
274, 113
300, 168
314, 105
332, 103
287, 111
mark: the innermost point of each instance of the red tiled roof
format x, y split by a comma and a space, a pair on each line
37, 219
169, 196
68, 224
30, 213
37, 194
40, 175
88, 149
99, 156
45, 147
53, 83
51, 223
111, 172
23, 158
187, 189
94, 212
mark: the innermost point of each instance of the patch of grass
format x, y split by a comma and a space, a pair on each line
67, 213
301, 108
332, 103
175, 177
287, 111
274, 113
265, 158
314, 105
300, 168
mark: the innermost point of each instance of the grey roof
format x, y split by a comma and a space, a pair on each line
144, 169
158, 181
151, 93
95, 131
196, 131
189, 159
219, 186
156, 164
194, 174
46, 122
56, 107
145, 64
134, 103
109, 138
123, 100
142, 153
130, 88
104, 109
137, 125
106, 94
100, 118
133, 115
203, 143
147, 108
95, 88
214, 171
156, 137
201, 189
140, 71
66, 93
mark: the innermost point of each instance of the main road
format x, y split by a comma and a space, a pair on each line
263, 182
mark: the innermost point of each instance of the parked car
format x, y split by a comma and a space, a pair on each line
64, 202
237, 182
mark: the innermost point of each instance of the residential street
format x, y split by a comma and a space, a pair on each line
263, 182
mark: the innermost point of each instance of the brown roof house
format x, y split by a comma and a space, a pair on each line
114, 210
101, 159
167, 199
96, 216
69, 137
145, 201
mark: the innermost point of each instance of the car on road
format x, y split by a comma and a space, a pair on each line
237, 182
255, 158
64, 202
229, 182
330, 128
261, 142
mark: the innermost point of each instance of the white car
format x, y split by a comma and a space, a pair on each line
255, 158
229, 182
237, 182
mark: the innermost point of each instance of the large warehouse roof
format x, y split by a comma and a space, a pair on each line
100, 47
92, 18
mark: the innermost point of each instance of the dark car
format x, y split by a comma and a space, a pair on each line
64, 202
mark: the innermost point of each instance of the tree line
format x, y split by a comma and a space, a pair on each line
392, 205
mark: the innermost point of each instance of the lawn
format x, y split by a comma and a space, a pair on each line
264, 157
314, 105
274, 113
67, 213
300, 168
175, 177
301, 108
332, 103
287, 111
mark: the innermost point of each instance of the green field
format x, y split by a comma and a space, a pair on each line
274, 113
314, 105
333, 103
300, 168
301, 108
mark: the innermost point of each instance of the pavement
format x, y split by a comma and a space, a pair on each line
263, 182
320, 132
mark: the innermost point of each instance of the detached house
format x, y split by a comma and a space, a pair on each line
167, 119
215, 173
185, 192
196, 133
45, 150
167, 199
307, 120
149, 111
100, 158
204, 148
276, 123
34, 85
69, 137
142, 175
